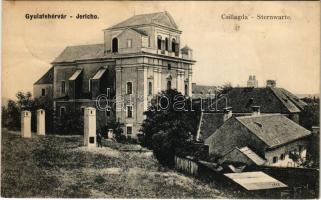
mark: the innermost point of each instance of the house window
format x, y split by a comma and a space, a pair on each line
115, 45
159, 42
129, 111
129, 89
43, 92
166, 44
282, 157
62, 111
129, 130
63, 87
150, 88
129, 43
169, 66
275, 159
169, 85
108, 113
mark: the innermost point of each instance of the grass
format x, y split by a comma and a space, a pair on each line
57, 166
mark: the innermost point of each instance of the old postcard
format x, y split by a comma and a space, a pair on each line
107, 99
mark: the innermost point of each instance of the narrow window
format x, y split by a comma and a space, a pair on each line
129, 111
129, 43
43, 92
159, 42
115, 45
82, 110
63, 87
129, 130
89, 85
108, 113
186, 89
173, 44
169, 85
150, 88
275, 159
166, 44
129, 88
62, 111
169, 66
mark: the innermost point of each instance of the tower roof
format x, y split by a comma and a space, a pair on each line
159, 18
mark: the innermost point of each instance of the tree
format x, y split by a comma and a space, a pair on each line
224, 89
169, 125
310, 115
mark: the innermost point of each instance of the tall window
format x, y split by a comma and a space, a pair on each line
173, 44
186, 89
89, 85
275, 159
63, 87
129, 43
150, 88
166, 44
129, 111
159, 42
115, 45
43, 92
129, 86
169, 85
169, 66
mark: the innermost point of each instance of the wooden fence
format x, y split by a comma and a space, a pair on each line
187, 165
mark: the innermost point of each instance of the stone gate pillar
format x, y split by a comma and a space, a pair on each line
41, 124
26, 124
90, 127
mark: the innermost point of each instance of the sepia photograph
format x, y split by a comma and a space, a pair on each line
160, 99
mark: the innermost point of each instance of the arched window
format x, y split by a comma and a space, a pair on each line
115, 45
186, 90
150, 88
166, 44
159, 42
129, 86
169, 85
173, 44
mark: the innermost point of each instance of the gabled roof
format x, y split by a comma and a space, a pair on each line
270, 100
47, 78
160, 18
274, 129
81, 52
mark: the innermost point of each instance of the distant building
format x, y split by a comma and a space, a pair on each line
252, 82
139, 57
203, 91
270, 100
44, 86
271, 138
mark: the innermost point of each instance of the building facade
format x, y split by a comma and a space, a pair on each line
140, 57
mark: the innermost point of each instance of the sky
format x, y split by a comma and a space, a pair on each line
287, 51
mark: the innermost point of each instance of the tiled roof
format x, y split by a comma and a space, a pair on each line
274, 129
160, 18
209, 123
47, 78
270, 100
81, 52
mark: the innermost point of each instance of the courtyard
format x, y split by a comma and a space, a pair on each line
60, 166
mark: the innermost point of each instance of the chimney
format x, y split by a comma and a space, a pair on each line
227, 113
256, 110
271, 83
